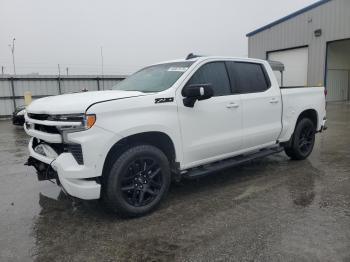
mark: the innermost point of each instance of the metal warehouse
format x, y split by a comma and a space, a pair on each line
314, 45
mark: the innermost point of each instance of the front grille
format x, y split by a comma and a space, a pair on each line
61, 118
41, 117
46, 129
74, 149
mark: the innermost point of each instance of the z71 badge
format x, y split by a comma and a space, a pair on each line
164, 100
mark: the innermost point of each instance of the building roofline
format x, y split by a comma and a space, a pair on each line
305, 9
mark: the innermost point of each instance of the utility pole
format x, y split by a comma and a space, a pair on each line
12, 47
103, 84
67, 71
59, 79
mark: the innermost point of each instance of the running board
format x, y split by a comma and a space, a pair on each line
224, 164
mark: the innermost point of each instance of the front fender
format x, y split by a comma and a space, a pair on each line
136, 115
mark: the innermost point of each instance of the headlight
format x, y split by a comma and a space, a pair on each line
75, 122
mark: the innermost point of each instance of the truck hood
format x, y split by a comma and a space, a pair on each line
76, 102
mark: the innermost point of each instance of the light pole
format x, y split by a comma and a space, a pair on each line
103, 84
12, 47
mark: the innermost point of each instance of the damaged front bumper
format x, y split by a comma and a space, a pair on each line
64, 168
43, 170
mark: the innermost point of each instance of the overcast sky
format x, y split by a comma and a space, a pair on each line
132, 33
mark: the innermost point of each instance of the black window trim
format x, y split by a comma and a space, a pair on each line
229, 79
233, 82
210, 62
262, 66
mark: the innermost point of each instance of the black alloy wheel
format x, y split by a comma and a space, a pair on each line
142, 181
306, 138
302, 141
137, 181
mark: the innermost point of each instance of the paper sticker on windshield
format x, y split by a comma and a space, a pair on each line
177, 69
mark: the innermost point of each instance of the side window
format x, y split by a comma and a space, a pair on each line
215, 74
250, 77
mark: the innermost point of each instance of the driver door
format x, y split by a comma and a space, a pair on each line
211, 130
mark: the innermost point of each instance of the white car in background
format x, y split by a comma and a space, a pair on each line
18, 116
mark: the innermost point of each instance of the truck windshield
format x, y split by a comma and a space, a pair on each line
154, 78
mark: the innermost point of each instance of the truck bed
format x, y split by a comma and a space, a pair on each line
298, 99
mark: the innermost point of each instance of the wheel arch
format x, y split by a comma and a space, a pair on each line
292, 147
308, 113
155, 138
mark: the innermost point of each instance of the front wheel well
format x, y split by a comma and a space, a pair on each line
157, 139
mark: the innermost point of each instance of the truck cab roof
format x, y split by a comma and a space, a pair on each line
204, 58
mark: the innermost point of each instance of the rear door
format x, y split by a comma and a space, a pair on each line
261, 103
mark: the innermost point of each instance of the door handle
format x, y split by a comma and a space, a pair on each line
232, 105
274, 101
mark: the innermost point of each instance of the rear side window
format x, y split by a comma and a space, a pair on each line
249, 77
215, 74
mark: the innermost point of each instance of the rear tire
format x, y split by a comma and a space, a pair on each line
137, 181
302, 141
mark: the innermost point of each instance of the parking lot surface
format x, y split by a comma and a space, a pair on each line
271, 209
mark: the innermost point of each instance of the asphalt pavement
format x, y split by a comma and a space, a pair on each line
271, 209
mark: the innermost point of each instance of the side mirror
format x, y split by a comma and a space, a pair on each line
195, 92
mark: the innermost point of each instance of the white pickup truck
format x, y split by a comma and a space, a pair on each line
183, 118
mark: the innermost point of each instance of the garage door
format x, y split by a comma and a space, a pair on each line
337, 85
338, 70
295, 62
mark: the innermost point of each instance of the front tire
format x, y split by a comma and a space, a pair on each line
303, 140
137, 182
